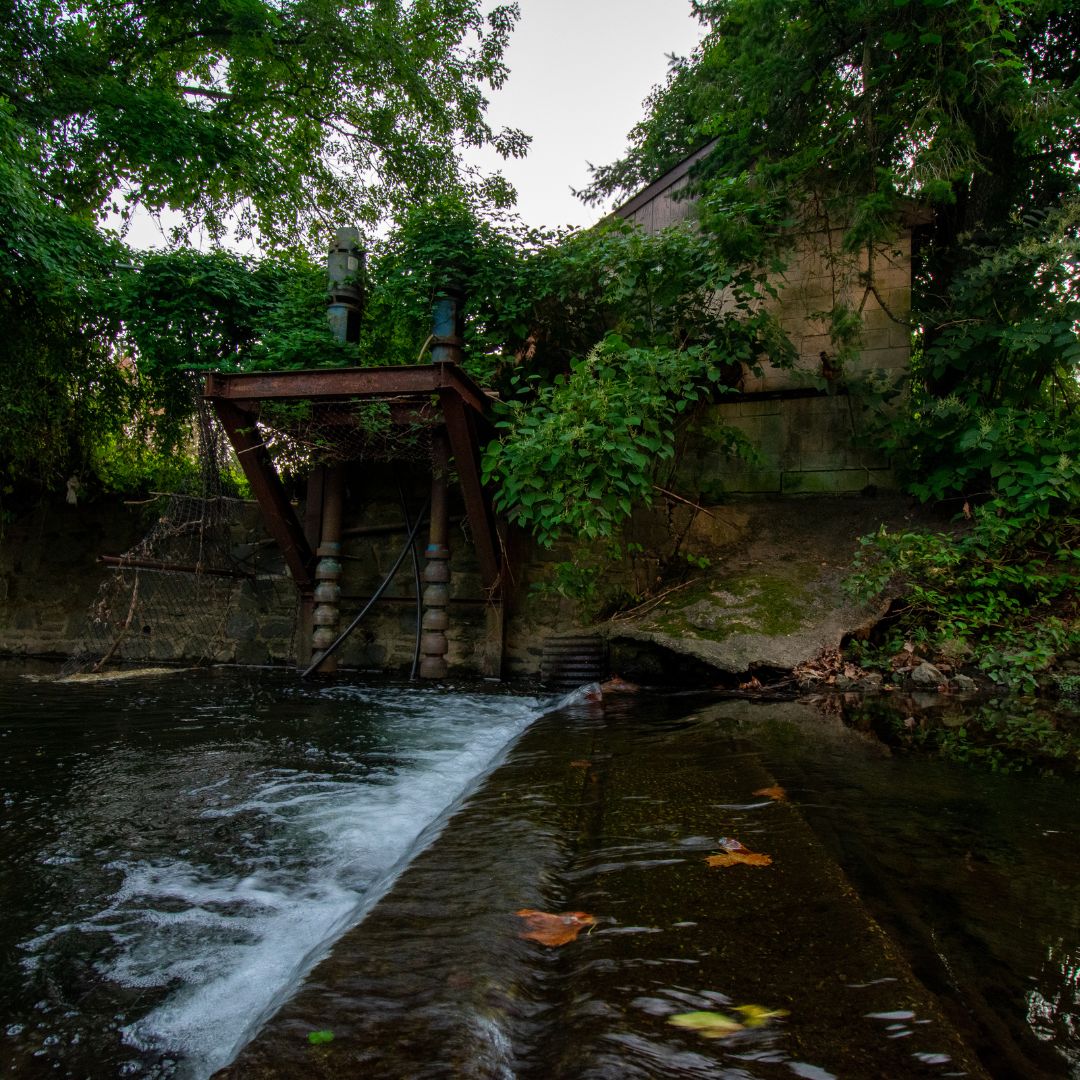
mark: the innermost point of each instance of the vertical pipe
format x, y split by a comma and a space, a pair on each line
327, 612
344, 265
446, 330
313, 501
447, 327
436, 620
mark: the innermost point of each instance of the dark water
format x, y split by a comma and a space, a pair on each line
178, 852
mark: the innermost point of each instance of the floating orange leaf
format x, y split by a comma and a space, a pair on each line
581, 764
735, 853
551, 929
734, 858
615, 685
775, 792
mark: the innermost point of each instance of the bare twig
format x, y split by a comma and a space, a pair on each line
123, 630
679, 498
647, 605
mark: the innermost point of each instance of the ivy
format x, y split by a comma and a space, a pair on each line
579, 454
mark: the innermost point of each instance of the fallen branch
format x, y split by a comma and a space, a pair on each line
652, 601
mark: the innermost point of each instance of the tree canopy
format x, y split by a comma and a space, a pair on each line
972, 107
973, 110
281, 117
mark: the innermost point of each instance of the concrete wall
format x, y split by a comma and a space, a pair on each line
808, 444
57, 600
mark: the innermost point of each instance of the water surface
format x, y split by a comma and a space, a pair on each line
179, 850
194, 861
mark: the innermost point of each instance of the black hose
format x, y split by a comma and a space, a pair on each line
375, 596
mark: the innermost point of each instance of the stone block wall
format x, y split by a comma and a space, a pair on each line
801, 446
808, 444
52, 584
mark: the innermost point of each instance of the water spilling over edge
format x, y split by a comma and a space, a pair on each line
223, 932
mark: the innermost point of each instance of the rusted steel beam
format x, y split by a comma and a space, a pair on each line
344, 384
451, 377
313, 506
281, 520
462, 432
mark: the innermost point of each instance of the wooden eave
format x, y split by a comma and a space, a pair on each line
661, 184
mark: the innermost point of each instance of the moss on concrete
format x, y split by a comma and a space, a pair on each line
770, 602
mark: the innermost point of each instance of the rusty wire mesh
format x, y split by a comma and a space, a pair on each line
169, 597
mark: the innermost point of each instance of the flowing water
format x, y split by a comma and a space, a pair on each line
177, 851
181, 852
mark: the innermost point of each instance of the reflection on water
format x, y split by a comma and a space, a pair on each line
177, 853
973, 870
1007, 735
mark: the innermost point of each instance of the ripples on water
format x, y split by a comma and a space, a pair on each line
178, 853
188, 847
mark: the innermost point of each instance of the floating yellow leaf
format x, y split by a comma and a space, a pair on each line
776, 792
757, 1015
710, 1025
551, 929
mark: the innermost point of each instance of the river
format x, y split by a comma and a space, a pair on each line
205, 868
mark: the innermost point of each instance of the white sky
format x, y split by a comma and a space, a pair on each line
580, 71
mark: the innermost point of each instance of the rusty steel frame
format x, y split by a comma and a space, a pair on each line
236, 397
278, 512
343, 384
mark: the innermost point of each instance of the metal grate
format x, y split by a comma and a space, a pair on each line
573, 660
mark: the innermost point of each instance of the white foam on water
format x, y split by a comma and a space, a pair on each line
314, 852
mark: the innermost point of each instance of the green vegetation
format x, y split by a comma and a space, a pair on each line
277, 121
1007, 581
844, 115
264, 118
